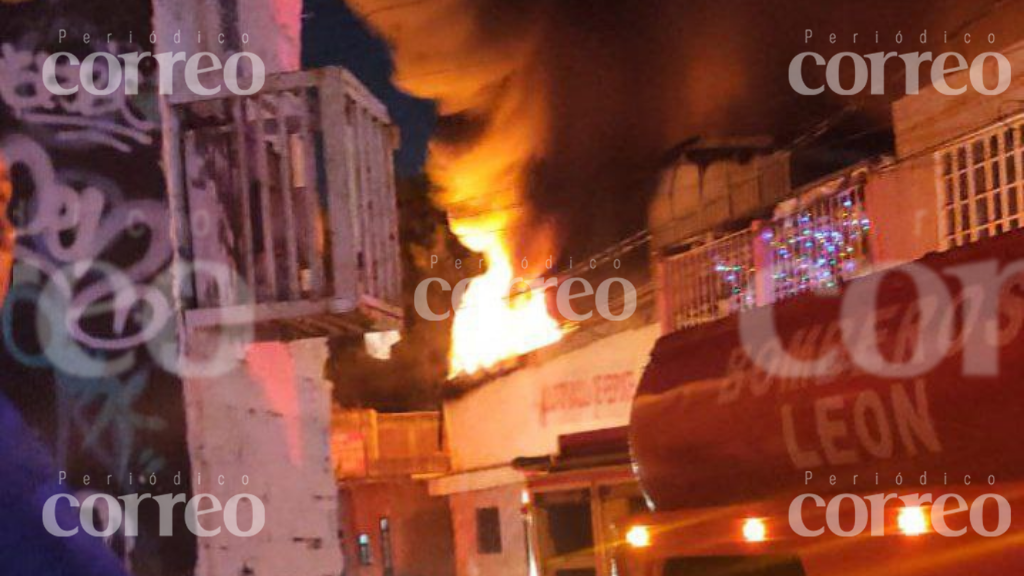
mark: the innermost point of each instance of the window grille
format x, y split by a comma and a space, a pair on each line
711, 281
979, 188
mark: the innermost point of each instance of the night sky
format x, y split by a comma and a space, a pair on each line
333, 36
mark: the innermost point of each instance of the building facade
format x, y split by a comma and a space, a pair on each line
233, 236
536, 487
389, 523
952, 180
502, 463
727, 429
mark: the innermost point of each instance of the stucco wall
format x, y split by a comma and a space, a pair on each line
903, 206
524, 413
512, 561
903, 198
928, 119
269, 420
420, 525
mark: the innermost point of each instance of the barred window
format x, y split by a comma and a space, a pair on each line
488, 530
979, 188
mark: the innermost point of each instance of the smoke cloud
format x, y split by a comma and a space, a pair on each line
554, 113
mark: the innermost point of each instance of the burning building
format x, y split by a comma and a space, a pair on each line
723, 481
727, 215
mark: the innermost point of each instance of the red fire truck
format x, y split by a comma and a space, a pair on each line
874, 430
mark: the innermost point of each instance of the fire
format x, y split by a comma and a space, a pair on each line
482, 187
491, 324
493, 84
6, 230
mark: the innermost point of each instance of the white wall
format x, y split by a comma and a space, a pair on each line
269, 419
513, 560
273, 28
928, 119
523, 413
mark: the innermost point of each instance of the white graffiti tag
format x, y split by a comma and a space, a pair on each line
82, 118
72, 222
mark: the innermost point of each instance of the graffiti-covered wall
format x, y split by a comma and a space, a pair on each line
87, 326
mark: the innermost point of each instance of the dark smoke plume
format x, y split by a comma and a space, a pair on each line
554, 112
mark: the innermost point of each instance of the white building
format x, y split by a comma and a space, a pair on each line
510, 434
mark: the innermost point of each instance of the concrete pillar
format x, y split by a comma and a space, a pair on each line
271, 29
267, 422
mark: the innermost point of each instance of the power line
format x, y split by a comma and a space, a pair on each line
393, 7
963, 26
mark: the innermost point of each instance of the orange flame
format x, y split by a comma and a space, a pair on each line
491, 77
482, 192
491, 326
6, 229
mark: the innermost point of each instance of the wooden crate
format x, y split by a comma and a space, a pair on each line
284, 205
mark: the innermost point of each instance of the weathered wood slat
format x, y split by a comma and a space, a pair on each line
340, 181
395, 256
371, 226
285, 188
181, 230
311, 196
343, 81
244, 185
381, 216
222, 166
361, 198
191, 151
384, 208
266, 213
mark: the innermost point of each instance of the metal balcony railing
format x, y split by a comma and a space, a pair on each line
815, 242
710, 281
